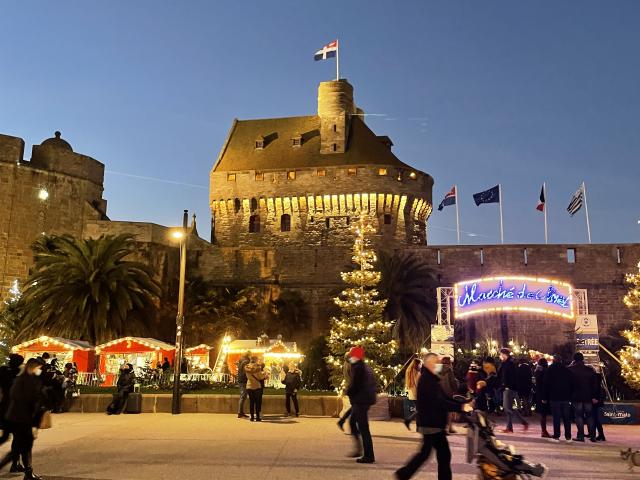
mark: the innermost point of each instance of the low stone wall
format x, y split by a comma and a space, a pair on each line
322, 406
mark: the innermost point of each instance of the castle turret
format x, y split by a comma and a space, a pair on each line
335, 107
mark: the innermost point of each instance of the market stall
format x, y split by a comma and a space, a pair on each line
198, 357
62, 349
140, 352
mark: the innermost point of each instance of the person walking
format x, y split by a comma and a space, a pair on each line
433, 407
525, 385
8, 374
450, 387
242, 383
508, 376
583, 396
346, 376
557, 388
24, 414
255, 381
542, 401
124, 387
601, 396
362, 394
411, 377
292, 381
473, 376
493, 384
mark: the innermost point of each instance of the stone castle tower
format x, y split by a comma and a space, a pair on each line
57, 192
303, 180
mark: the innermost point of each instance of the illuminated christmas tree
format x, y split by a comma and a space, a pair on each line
361, 322
630, 355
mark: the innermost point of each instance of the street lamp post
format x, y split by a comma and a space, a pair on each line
177, 362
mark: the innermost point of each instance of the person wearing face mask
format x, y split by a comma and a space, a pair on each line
125, 384
24, 415
362, 394
432, 406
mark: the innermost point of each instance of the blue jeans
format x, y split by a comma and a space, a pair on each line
561, 410
243, 398
582, 410
508, 396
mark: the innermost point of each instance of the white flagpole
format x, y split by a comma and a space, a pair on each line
544, 190
337, 60
500, 202
457, 215
586, 211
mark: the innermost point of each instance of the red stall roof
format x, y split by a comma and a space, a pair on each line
134, 344
51, 343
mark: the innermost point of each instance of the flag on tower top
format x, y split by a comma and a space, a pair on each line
542, 201
328, 51
449, 199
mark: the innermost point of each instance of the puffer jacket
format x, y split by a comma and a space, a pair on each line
255, 374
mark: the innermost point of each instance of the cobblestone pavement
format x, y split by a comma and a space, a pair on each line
194, 446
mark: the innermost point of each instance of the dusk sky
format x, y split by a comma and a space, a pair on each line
473, 93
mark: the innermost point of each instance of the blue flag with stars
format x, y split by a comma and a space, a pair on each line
488, 196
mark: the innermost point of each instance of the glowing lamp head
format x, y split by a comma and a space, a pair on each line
177, 234
43, 194
226, 339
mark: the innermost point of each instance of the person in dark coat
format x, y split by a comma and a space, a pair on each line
508, 376
557, 389
542, 401
8, 374
292, 381
585, 391
24, 415
362, 394
242, 383
525, 385
481, 401
601, 396
433, 407
125, 384
473, 376
450, 386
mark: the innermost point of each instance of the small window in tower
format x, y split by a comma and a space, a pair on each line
285, 223
352, 171
387, 219
237, 205
311, 219
439, 257
259, 176
254, 204
335, 147
231, 177
259, 143
382, 171
526, 257
296, 141
321, 172
327, 223
291, 175
335, 129
618, 255
481, 256
571, 255
254, 224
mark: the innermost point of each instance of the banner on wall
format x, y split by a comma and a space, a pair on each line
442, 340
588, 338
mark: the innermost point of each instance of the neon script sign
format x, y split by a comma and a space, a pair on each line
529, 294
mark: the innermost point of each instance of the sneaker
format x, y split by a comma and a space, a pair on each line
554, 439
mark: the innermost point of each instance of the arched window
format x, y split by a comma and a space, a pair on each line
285, 223
237, 205
254, 204
254, 224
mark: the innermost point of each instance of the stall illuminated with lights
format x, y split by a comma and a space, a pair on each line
65, 350
198, 356
140, 352
268, 351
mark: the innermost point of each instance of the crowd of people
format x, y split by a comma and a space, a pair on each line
29, 391
252, 377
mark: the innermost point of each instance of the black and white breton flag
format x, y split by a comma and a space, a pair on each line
576, 202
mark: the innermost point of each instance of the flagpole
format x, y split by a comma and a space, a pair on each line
544, 206
337, 60
500, 203
586, 210
457, 215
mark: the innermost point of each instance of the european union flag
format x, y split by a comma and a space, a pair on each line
488, 196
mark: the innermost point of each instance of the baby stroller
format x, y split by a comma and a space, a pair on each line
496, 460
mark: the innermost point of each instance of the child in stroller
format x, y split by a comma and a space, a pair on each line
496, 460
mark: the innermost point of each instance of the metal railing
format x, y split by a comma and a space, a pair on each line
93, 379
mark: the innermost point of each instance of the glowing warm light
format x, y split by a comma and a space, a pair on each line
177, 234
43, 194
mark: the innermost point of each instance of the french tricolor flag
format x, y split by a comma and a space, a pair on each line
328, 51
542, 201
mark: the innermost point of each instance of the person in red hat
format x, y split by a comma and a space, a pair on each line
362, 394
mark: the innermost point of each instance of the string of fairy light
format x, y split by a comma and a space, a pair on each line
361, 322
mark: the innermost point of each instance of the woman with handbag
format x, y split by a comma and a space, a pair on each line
24, 415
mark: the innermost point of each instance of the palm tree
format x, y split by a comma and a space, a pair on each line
86, 289
408, 284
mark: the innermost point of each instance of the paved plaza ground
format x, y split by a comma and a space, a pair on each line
217, 446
